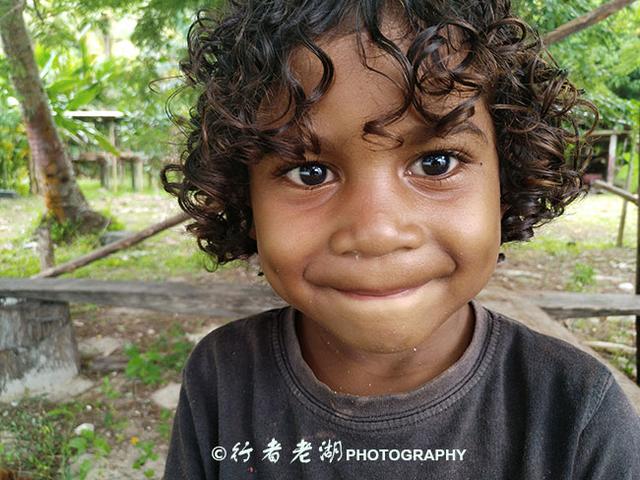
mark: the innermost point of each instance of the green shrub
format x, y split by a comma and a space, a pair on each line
583, 276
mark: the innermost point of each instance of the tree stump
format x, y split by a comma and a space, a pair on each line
38, 348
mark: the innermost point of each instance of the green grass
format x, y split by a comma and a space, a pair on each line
582, 278
160, 257
57, 446
162, 360
557, 246
612, 329
61, 453
93, 191
588, 224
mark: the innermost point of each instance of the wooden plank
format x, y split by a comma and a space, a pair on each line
573, 305
237, 300
216, 299
610, 346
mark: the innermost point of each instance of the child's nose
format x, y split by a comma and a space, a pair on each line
376, 222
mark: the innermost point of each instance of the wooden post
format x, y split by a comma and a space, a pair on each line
37, 346
611, 165
138, 175
45, 246
638, 267
627, 186
104, 173
112, 158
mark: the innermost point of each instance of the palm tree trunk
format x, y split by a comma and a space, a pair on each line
54, 171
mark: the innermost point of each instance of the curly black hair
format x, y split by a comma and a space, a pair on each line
240, 58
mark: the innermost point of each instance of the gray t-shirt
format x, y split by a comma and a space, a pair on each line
517, 405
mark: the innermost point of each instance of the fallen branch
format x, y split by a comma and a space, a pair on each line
113, 247
616, 190
585, 21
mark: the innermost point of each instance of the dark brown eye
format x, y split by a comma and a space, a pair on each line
434, 164
310, 175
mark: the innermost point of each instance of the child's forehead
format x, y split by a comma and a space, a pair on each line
359, 92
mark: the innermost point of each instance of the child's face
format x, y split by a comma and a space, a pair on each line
378, 246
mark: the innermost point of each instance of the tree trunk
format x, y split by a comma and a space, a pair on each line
585, 21
54, 172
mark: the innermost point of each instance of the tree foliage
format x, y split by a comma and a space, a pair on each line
602, 59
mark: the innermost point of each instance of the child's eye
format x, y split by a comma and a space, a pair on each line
434, 164
310, 175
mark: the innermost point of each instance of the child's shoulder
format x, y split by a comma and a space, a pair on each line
242, 328
543, 349
235, 341
545, 363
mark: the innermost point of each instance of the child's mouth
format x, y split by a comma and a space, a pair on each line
377, 294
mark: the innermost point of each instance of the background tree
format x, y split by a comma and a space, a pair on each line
139, 78
603, 58
54, 172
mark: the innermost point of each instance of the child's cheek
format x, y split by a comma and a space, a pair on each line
477, 237
286, 243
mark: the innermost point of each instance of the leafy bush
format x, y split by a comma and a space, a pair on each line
583, 276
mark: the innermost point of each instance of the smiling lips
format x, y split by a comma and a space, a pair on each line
377, 294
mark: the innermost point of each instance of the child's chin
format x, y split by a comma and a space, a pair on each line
395, 338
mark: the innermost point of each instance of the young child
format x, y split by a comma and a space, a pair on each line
375, 155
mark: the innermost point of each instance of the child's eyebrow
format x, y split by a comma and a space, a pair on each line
416, 134
419, 132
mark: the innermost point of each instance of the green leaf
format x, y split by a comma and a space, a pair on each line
101, 445
84, 97
64, 85
47, 67
629, 59
72, 129
79, 444
105, 144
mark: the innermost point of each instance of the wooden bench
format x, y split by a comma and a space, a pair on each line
574, 305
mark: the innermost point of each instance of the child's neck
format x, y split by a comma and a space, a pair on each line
346, 370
